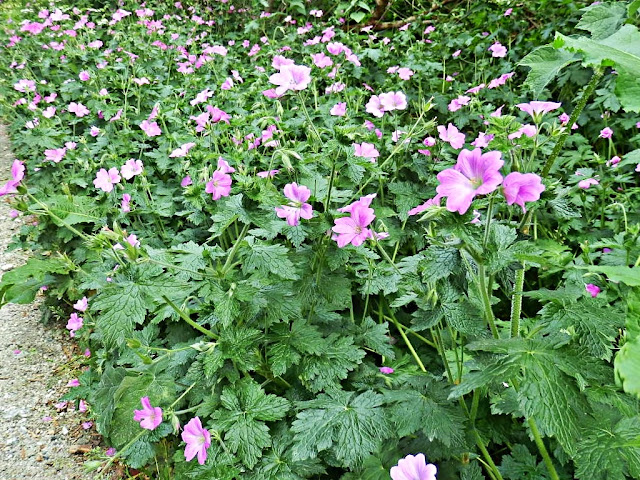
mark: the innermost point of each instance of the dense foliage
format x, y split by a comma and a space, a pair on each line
309, 250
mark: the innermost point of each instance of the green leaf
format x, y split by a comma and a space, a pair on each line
627, 366
350, 426
376, 337
545, 63
603, 19
288, 343
247, 408
268, 259
607, 452
627, 275
357, 16
121, 306
621, 51
521, 465
337, 359
22, 284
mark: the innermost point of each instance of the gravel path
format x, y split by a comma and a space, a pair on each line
35, 437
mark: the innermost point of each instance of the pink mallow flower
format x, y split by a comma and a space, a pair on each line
291, 77
82, 304
374, 106
74, 323
296, 208
197, 439
125, 205
17, 174
339, 109
393, 101
149, 417
451, 135
537, 109
366, 150
519, 188
182, 150
498, 50
150, 128
592, 289
414, 468
105, 180
131, 168
219, 185
584, 184
386, 370
79, 109
474, 174
84, 75
353, 229
606, 133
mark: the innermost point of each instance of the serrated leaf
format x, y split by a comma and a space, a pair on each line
603, 19
351, 426
121, 306
269, 259
521, 465
376, 337
545, 63
620, 50
627, 275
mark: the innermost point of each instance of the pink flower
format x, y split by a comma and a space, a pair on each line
74, 323
131, 168
279, 61
606, 133
197, 439
339, 109
150, 128
79, 109
432, 202
74, 382
522, 187
84, 75
291, 77
335, 48
374, 106
386, 370
483, 140
49, 112
393, 101
227, 84
116, 116
296, 208
508, 12
105, 180
82, 304
475, 90
538, 109
201, 97
55, 154
320, 60
94, 132
474, 174
125, 205
405, 73
87, 425
457, 103
498, 50
614, 161
186, 181
182, 150
593, 290
149, 417
218, 115
219, 185
353, 229
452, 135
413, 468
584, 184
110, 452
366, 150
17, 174
527, 130
269, 173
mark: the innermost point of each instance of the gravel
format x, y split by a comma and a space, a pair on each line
35, 436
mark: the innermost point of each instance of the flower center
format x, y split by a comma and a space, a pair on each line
358, 229
475, 182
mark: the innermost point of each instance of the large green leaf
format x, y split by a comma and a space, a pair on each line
545, 63
603, 19
620, 51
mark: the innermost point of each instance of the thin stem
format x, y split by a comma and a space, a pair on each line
408, 343
484, 293
333, 174
487, 226
591, 87
516, 302
232, 254
186, 318
487, 456
306, 114
542, 449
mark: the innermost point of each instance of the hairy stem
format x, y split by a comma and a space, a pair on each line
486, 301
516, 302
542, 449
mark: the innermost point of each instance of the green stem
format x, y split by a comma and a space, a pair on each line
408, 343
516, 302
487, 226
541, 447
333, 174
306, 114
186, 318
591, 87
484, 293
485, 453
232, 254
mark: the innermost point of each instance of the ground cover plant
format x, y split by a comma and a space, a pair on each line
294, 247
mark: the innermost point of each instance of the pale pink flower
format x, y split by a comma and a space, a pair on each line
150, 128
457, 103
105, 180
374, 106
475, 90
116, 116
74, 382
201, 97
49, 112
75, 323
414, 468
386, 370
321, 60
606, 133
94, 131
218, 115
508, 12
405, 73
82, 304
79, 109
269, 173
537, 109
339, 109
131, 168
132, 240
149, 417
291, 77
366, 150
451, 135
125, 205
362, 202
335, 48
432, 202
224, 167
227, 84
186, 181
353, 229
474, 174
297, 208
593, 290
84, 75
182, 150
584, 184
527, 130
219, 185
483, 140
393, 101
279, 61
55, 154
519, 188
197, 439
497, 113
498, 50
